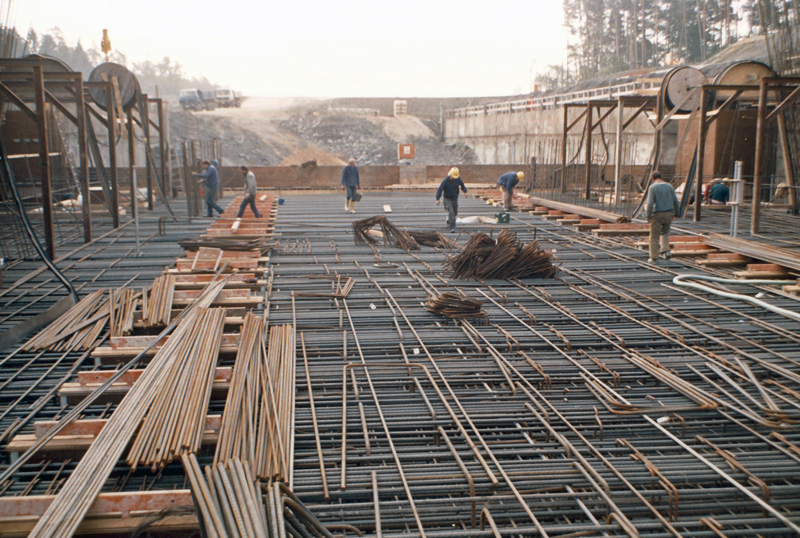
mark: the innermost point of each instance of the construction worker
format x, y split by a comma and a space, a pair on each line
449, 188
351, 183
507, 183
661, 207
249, 193
210, 180
719, 193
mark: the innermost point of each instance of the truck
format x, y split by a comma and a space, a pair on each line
194, 99
228, 98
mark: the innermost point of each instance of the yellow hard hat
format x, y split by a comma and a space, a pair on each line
520, 176
453, 173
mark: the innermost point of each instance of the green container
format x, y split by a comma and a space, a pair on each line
502, 218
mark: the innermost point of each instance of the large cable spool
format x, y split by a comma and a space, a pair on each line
679, 83
129, 88
747, 72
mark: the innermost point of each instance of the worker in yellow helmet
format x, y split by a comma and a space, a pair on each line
449, 188
507, 183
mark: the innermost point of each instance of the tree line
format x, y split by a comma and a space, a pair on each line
164, 78
609, 36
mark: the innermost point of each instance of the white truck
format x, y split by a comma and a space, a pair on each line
228, 98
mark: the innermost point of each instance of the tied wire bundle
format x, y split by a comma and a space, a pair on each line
483, 258
391, 234
455, 306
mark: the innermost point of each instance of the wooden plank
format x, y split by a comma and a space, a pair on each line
98, 377
111, 513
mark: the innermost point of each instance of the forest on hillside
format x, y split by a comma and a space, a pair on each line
609, 36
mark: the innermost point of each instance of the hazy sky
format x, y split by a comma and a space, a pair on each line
408, 48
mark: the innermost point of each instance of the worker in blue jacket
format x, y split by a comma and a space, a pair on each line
351, 183
507, 183
449, 189
209, 177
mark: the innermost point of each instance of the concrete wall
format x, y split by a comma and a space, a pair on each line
518, 136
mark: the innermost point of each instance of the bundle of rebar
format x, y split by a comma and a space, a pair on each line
228, 499
175, 421
455, 306
78, 328
465, 264
531, 262
482, 258
432, 238
264, 244
229, 503
391, 234
69, 507
123, 304
759, 251
504, 252
276, 419
157, 304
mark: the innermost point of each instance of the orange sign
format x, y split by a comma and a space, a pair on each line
405, 151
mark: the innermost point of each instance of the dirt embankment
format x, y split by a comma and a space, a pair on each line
272, 132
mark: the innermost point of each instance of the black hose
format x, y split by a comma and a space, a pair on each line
9, 175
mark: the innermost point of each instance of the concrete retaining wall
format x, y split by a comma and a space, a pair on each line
516, 137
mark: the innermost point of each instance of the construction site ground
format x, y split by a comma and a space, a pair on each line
607, 401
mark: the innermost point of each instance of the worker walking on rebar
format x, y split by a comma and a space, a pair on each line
661, 207
210, 180
507, 183
249, 193
449, 188
350, 183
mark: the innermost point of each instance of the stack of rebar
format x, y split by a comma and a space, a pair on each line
432, 238
465, 264
157, 305
228, 500
176, 420
240, 425
78, 328
391, 234
505, 251
264, 244
276, 459
258, 421
482, 258
123, 304
69, 507
230, 504
455, 306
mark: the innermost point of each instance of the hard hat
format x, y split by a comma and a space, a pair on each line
453, 173
520, 176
